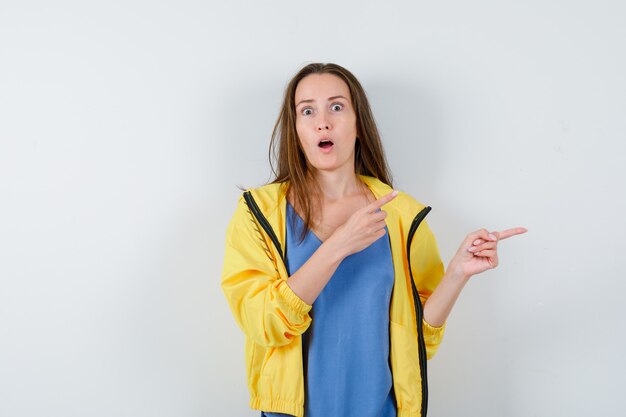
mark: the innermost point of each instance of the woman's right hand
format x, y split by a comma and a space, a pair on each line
362, 228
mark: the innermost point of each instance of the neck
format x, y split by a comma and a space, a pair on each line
338, 184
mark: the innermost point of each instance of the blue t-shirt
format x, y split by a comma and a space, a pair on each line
346, 348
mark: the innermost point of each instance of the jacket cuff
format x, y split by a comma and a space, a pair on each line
432, 334
295, 302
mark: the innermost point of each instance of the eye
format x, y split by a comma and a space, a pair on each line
304, 111
337, 104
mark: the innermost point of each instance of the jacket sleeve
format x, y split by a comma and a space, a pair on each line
264, 306
428, 270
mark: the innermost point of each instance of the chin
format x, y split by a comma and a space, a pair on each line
328, 167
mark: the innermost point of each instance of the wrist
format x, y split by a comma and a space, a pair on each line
335, 250
455, 273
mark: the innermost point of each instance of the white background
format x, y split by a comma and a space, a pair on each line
125, 127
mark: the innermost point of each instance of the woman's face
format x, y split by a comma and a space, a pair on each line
326, 121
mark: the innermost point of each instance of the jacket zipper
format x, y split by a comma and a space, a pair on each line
416, 299
263, 221
419, 312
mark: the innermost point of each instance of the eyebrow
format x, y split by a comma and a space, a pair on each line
311, 100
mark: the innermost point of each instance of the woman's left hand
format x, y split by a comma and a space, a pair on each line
479, 251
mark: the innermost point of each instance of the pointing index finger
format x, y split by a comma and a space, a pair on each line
511, 232
382, 201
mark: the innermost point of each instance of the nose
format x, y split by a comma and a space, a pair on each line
323, 124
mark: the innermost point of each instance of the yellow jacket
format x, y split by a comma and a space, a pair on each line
273, 317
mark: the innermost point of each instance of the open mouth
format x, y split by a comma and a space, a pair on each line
325, 143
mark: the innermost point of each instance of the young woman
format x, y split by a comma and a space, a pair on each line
334, 277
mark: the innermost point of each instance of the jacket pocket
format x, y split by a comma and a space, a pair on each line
281, 373
405, 366
254, 363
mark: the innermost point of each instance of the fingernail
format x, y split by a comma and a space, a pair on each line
492, 237
472, 249
394, 193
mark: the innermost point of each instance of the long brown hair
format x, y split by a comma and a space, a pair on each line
291, 162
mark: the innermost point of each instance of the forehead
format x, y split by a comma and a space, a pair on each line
320, 87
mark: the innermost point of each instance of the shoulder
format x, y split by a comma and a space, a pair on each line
269, 191
407, 204
267, 197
